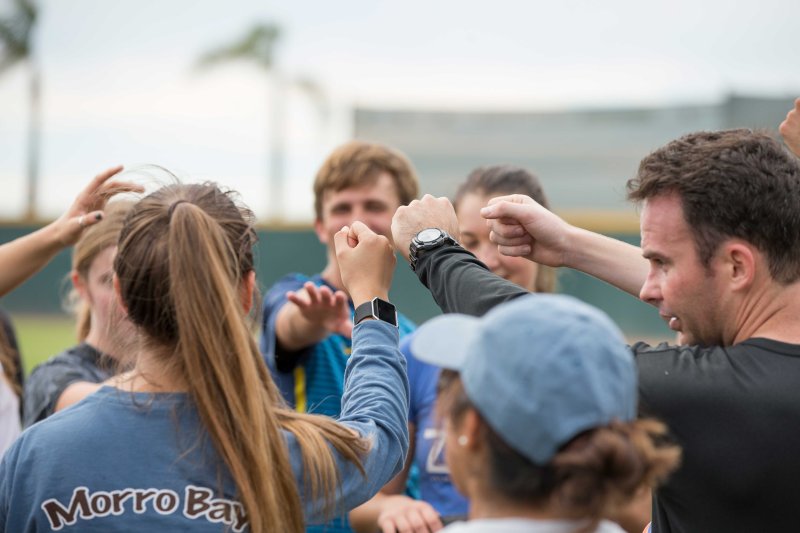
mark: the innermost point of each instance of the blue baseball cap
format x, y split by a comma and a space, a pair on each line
540, 369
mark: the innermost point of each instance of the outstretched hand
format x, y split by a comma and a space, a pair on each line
87, 209
522, 227
790, 129
366, 262
429, 212
321, 305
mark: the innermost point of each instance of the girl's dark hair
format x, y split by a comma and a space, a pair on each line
592, 474
499, 180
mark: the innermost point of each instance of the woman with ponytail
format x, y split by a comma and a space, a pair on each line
196, 435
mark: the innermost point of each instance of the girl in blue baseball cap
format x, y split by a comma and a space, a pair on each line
538, 406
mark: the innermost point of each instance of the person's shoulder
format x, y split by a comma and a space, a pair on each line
68, 358
76, 357
291, 281
275, 296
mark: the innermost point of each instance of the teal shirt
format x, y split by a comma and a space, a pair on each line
313, 381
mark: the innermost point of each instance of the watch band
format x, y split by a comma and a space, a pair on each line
378, 309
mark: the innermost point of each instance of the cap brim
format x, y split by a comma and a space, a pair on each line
444, 341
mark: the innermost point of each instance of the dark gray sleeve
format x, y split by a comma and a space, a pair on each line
45, 385
460, 283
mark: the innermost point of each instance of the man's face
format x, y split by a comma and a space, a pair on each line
374, 205
689, 296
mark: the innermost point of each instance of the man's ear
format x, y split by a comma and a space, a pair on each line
740, 260
248, 290
319, 229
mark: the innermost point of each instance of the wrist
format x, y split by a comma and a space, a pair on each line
376, 309
361, 297
51, 238
574, 242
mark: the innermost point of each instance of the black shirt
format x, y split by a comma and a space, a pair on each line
734, 410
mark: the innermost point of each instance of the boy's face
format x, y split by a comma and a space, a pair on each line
374, 205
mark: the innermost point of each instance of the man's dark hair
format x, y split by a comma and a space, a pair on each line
732, 183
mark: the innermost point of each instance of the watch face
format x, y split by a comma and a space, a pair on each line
385, 311
429, 235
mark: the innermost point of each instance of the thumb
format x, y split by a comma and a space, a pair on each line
340, 239
359, 230
346, 329
352, 238
505, 209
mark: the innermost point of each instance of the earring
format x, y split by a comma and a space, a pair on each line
462, 440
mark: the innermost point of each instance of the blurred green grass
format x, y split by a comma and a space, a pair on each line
43, 336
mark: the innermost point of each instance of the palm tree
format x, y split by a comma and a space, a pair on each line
258, 46
16, 46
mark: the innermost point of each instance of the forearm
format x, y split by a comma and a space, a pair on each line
459, 283
616, 262
23, 257
375, 404
294, 332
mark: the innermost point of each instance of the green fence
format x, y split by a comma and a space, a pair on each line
282, 251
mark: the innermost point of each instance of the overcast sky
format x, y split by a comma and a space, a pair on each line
120, 83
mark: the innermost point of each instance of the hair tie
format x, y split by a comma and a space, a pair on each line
173, 206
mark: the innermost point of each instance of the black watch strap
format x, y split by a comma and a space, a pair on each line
378, 309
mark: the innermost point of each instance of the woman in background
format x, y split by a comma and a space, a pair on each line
207, 443
102, 328
23, 257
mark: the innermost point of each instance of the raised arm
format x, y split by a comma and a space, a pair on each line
790, 129
522, 227
458, 281
23, 257
375, 399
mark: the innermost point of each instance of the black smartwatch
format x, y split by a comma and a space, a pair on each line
378, 309
428, 239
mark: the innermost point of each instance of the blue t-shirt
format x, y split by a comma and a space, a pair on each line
434, 483
312, 381
119, 461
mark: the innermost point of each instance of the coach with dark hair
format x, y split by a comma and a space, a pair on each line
720, 259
